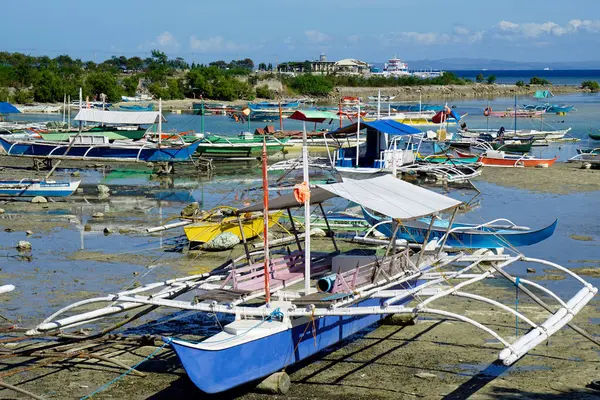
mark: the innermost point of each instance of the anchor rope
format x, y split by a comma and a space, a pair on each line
124, 374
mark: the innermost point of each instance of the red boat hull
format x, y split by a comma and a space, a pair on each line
516, 162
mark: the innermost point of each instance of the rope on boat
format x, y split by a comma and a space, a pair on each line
124, 374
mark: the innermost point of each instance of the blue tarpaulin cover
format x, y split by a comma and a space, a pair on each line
542, 94
388, 126
7, 108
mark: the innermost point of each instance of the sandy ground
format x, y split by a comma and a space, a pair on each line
561, 178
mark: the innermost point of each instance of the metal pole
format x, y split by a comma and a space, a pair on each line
159, 121
306, 212
294, 229
425, 240
245, 243
357, 133
202, 114
280, 117
449, 227
329, 228
267, 271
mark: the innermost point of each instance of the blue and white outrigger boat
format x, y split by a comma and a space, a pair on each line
494, 234
36, 187
289, 307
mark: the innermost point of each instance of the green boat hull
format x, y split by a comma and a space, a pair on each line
219, 147
594, 136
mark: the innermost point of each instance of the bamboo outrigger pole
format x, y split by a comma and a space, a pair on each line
266, 220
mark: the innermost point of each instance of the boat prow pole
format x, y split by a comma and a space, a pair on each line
266, 220
306, 211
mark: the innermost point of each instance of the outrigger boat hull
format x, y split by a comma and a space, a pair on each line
488, 238
205, 231
133, 152
32, 188
227, 366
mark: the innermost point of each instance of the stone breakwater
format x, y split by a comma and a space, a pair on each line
449, 91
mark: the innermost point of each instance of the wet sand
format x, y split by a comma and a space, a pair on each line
561, 178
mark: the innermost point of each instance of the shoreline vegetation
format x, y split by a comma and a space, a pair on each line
26, 79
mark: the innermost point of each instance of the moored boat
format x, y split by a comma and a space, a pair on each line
244, 146
207, 228
483, 236
495, 158
35, 187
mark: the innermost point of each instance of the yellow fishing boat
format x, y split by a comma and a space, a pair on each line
207, 229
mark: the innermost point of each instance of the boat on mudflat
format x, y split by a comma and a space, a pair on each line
470, 236
495, 158
100, 149
36, 187
244, 146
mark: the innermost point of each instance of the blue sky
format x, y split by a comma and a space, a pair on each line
270, 31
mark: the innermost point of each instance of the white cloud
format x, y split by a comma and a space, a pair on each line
353, 39
215, 44
316, 36
164, 41
461, 30
510, 30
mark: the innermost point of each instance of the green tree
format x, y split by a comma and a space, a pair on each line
539, 81
135, 64
130, 84
491, 79
594, 86
158, 68
479, 78
97, 83
264, 92
22, 96
520, 83
49, 87
312, 85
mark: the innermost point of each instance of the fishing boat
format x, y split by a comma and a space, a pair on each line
495, 158
337, 222
139, 97
458, 235
266, 105
588, 150
205, 228
111, 133
242, 147
447, 159
137, 107
36, 187
512, 113
594, 135
382, 98
100, 149
521, 134
383, 152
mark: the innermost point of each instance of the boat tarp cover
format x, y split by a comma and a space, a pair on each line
7, 108
390, 127
312, 115
118, 117
385, 194
542, 94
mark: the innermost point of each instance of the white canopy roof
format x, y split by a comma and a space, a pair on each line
118, 117
384, 194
